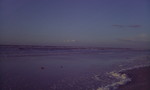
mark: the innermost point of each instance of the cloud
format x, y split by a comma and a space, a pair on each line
138, 38
70, 41
124, 26
134, 26
127, 39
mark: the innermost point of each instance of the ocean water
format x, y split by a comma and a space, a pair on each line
67, 68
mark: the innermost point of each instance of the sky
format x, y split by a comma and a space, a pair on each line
115, 23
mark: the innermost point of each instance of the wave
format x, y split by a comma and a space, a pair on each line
121, 77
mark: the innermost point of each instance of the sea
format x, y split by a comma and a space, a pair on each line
27, 67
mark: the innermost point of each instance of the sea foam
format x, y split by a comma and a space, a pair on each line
122, 79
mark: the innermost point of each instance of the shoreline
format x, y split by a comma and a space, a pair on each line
140, 79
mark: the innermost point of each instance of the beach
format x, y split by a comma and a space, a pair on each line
140, 79
73, 68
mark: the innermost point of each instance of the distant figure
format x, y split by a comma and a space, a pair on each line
42, 68
61, 66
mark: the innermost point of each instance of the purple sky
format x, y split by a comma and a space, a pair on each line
123, 23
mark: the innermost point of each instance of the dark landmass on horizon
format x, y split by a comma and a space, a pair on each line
48, 47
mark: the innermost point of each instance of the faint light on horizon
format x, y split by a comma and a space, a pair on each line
70, 41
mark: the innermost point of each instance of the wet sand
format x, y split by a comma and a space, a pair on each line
140, 79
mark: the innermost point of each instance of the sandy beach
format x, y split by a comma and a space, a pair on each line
140, 79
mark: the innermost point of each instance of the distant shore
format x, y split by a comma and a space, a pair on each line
140, 79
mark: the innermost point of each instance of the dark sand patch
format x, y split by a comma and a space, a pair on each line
140, 79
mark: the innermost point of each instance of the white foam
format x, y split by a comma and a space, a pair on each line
130, 68
122, 79
103, 88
